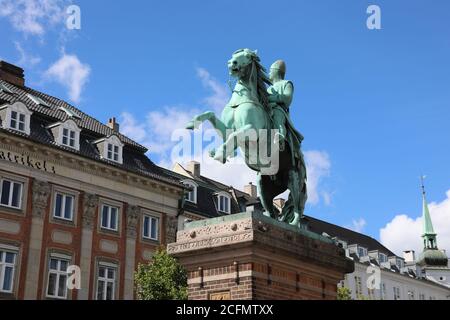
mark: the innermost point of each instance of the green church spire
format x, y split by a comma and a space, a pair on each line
428, 235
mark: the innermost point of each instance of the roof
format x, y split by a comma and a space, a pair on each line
134, 158
56, 110
347, 235
207, 190
427, 224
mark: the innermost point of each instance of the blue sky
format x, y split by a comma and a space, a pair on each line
373, 105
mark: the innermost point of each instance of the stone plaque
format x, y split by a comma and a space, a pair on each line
224, 295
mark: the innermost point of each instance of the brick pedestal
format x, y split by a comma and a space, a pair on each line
249, 256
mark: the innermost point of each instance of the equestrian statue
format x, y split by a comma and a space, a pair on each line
256, 121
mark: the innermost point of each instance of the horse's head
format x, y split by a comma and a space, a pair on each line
241, 61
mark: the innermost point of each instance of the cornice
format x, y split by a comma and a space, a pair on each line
66, 159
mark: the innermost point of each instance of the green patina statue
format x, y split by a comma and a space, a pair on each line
257, 118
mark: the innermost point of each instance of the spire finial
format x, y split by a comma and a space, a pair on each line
422, 178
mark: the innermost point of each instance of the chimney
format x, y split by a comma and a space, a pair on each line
113, 124
409, 256
12, 74
250, 189
279, 202
194, 168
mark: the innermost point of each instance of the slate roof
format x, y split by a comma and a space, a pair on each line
206, 196
350, 236
53, 111
134, 158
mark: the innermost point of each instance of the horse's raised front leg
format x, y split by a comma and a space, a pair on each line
220, 127
228, 148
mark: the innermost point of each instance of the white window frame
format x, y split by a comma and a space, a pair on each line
70, 126
4, 265
154, 218
105, 279
219, 207
108, 227
58, 272
385, 258
11, 189
358, 286
399, 264
115, 142
64, 195
192, 195
364, 250
19, 108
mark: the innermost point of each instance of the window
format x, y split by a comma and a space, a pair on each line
16, 117
383, 290
396, 293
106, 282
11, 194
421, 296
38, 101
68, 138
110, 216
57, 278
110, 148
151, 226
66, 133
7, 269
358, 286
17, 121
192, 195
64, 206
411, 295
223, 203
362, 252
383, 258
399, 264
113, 152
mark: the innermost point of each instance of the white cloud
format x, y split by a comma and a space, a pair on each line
71, 73
26, 59
357, 225
318, 167
220, 94
33, 16
404, 232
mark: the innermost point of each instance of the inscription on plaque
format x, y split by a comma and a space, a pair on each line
225, 295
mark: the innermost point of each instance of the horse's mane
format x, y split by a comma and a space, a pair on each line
261, 82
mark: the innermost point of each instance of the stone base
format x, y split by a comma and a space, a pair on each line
249, 256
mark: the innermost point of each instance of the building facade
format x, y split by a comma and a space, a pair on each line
79, 201
379, 274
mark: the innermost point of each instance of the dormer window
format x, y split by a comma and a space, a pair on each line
383, 258
362, 252
191, 196
113, 152
66, 134
17, 121
110, 148
224, 203
68, 137
16, 117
